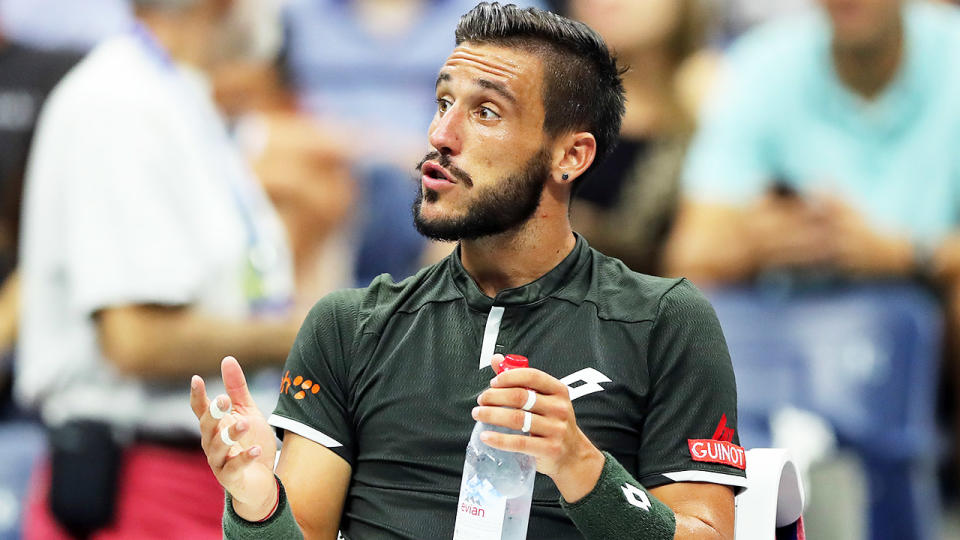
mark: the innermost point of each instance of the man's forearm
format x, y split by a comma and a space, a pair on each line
162, 342
706, 258
709, 245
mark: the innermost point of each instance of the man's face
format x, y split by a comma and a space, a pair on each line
862, 23
489, 162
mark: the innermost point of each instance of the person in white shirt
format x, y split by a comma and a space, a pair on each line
149, 251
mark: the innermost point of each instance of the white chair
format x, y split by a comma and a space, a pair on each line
774, 495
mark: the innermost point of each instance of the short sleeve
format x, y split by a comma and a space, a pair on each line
729, 160
314, 390
127, 221
689, 434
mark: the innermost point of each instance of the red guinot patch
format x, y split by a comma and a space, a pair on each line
723, 452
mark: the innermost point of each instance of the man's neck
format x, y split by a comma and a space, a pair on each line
868, 70
520, 256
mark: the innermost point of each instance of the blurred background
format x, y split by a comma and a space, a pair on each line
798, 160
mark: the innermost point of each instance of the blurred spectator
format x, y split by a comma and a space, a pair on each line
26, 77
810, 155
628, 206
64, 23
304, 169
829, 156
364, 66
149, 252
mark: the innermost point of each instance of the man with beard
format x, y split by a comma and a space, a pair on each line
629, 373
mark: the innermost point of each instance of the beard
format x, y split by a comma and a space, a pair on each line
495, 209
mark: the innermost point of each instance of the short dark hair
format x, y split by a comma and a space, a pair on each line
583, 86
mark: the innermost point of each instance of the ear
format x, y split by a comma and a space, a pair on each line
573, 155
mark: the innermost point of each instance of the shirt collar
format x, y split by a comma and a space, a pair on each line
552, 283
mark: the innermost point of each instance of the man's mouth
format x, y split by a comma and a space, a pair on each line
436, 178
436, 172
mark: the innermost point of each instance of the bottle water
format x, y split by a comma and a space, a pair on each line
497, 486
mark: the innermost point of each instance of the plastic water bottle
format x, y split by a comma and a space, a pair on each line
497, 486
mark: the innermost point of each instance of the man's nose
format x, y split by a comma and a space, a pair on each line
445, 132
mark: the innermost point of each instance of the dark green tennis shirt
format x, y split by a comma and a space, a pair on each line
386, 377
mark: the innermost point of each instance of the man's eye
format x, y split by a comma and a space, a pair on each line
487, 114
443, 105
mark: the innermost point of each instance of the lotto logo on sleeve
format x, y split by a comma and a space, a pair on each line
711, 451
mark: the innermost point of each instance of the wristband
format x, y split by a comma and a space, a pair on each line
619, 507
279, 524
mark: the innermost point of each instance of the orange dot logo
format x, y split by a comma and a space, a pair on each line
304, 386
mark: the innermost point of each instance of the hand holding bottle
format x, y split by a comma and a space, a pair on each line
561, 450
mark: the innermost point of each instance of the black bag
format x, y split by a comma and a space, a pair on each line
84, 461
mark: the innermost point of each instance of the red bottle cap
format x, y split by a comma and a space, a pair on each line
512, 361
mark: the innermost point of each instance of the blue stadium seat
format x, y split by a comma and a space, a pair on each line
864, 357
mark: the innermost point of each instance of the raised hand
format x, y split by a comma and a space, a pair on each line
239, 444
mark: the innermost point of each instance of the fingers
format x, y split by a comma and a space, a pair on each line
219, 408
495, 362
520, 420
198, 396
213, 413
534, 379
223, 442
208, 412
233, 464
235, 382
521, 398
538, 447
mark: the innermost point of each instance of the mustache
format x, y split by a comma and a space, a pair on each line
444, 161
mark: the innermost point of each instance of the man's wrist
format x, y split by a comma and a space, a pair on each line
261, 511
578, 479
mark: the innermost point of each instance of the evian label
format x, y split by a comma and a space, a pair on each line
480, 510
711, 451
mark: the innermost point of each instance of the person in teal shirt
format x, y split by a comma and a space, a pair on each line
830, 153
833, 140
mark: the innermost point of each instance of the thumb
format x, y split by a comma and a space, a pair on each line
495, 362
235, 382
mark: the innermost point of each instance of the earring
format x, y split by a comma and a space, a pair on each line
565, 176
